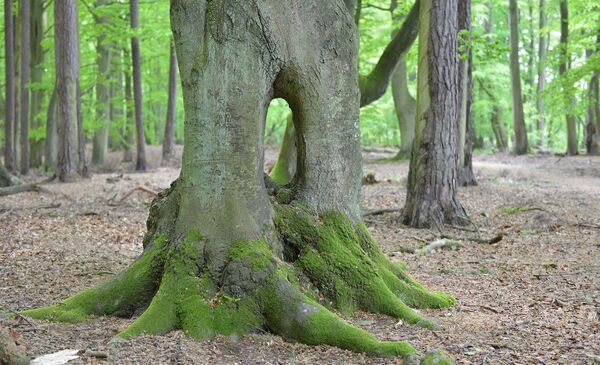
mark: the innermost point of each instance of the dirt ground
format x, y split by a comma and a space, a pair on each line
532, 298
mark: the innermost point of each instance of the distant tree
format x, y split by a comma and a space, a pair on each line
51, 150
37, 72
563, 67
9, 84
24, 105
169, 137
541, 80
521, 145
431, 198
141, 164
405, 106
66, 51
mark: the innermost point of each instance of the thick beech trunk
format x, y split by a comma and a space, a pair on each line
169, 137
103, 61
431, 193
521, 146
227, 251
140, 164
563, 67
405, 106
541, 81
24, 111
67, 87
9, 84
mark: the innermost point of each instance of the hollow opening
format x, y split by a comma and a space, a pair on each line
280, 142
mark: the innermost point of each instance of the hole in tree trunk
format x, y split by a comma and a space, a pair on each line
279, 130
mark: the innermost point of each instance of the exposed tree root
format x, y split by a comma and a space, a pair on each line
327, 263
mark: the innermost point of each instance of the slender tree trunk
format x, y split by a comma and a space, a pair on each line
563, 67
541, 82
128, 135
51, 133
530, 47
9, 84
521, 146
431, 197
24, 113
285, 167
67, 81
103, 61
17, 67
37, 95
168, 141
141, 164
405, 106
221, 256
593, 109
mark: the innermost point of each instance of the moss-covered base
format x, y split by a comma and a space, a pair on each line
326, 264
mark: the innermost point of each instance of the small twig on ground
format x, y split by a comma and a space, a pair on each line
587, 225
112, 202
381, 211
20, 316
419, 239
6, 213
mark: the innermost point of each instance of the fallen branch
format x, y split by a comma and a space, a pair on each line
34, 186
488, 241
111, 201
381, 211
437, 245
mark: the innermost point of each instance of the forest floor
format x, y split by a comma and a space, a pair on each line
532, 298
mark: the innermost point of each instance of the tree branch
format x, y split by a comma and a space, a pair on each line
373, 85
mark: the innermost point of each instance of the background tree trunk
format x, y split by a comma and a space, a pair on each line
521, 145
285, 166
141, 164
51, 133
37, 70
103, 62
67, 81
24, 112
541, 82
563, 67
169, 137
9, 79
405, 106
129, 127
431, 193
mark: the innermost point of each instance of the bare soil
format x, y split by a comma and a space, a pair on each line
532, 298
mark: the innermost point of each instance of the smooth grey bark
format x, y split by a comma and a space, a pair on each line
9, 84
37, 94
129, 128
103, 62
67, 81
25, 71
405, 106
6, 178
466, 134
169, 137
431, 198
51, 145
521, 146
541, 80
563, 68
140, 164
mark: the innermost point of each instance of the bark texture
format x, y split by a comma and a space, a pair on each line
431, 193
140, 164
37, 71
67, 85
541, 81
228, 251
24, 111
169, 138
405, 106
521, 146
51, 152
9, 84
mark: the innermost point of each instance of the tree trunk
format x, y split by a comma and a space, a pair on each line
431, 197
51, 133
221, 256
541, 82
405, 106
168, 141
103, 62
141, 164
521, 146
24, 112
10, 353
37, 70
67, 81
285, 167
563, 67
466, 177
128, 130
9, 84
